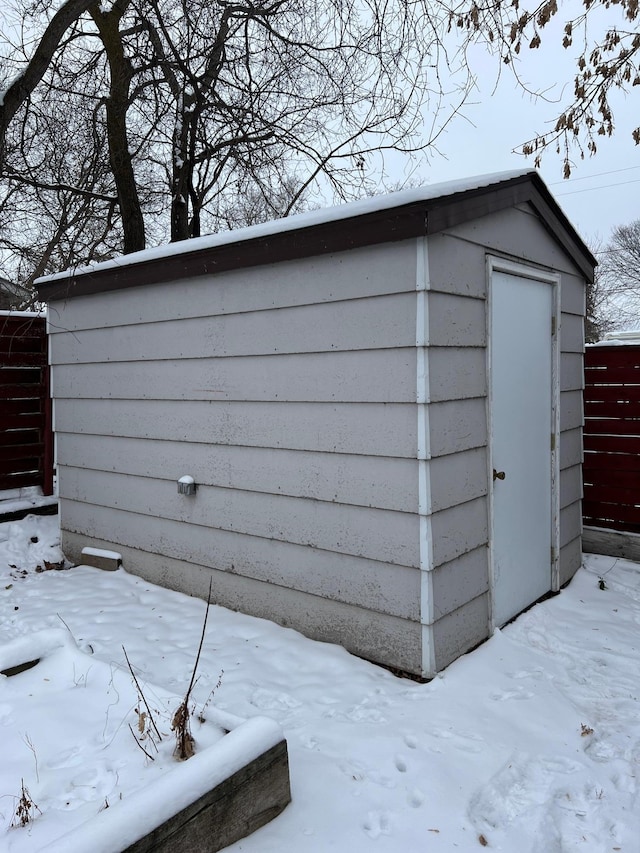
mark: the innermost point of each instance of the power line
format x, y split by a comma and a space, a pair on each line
603, 187
597, 175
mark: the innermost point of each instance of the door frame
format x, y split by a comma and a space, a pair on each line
551, 278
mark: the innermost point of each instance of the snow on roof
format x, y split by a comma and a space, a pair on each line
321, 216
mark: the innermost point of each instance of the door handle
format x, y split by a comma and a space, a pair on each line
498, 475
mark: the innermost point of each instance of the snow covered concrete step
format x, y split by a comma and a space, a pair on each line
110, 561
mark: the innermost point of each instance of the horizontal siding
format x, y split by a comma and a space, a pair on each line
394, 590
377, 636
456, 321
358, 324
570, 559
459, 529
457, 425
361, 376
456, 266
572, 296
571, 415
371, 271
570, 523
517, 234
369, 429
458, 478
571, 331
456, 373
570, 448
363, 532
368, 481
461, 630
571, 371
570, 485
459, 581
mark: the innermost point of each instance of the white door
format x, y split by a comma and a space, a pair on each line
521, 356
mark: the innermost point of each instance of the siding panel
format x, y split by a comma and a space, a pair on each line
372, 271
572, 296
388, 321
455, 321
456, 266
373, 585
457, 425
361, 480
570, 410
570, 559
570, 448
377, 636
459, 529
460, 581
571, 330
570, 523
571, 485
378, 534
369, 429
364, 376
458, 478
456, 374
516, 234
571, 371
461, 630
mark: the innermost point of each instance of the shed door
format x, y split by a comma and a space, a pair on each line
521, 357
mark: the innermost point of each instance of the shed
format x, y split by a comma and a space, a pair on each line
380, 405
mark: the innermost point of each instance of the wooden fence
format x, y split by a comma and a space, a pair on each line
611, 470
26, 442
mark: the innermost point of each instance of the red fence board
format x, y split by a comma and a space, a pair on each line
611, 409
20, 451
612, 443
25, 408
613, 375
607, 476
611, 470
611, 426
612, 356
611, 393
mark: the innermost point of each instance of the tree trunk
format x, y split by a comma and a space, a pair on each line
120, 73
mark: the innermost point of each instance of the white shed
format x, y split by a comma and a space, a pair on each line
380, 405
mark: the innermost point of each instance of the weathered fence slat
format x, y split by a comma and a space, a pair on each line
607, 408
611, 426
611, 470
25, 409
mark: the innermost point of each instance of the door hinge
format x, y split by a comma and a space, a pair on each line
553, 441
553, 326
553, 554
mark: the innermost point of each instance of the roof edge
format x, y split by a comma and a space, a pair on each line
398, 216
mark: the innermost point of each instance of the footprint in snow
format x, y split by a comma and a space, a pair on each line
527, 673
271, 700
523, 785
505, 695
464, 741
66, 758
360, 773
415, 798
411, 741
401, 764
377, 824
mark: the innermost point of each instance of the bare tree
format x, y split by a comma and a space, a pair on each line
604, 34
616, 297
189, 115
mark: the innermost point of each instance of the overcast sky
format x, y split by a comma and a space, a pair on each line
603, 191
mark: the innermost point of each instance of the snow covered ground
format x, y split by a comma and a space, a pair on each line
530, 744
